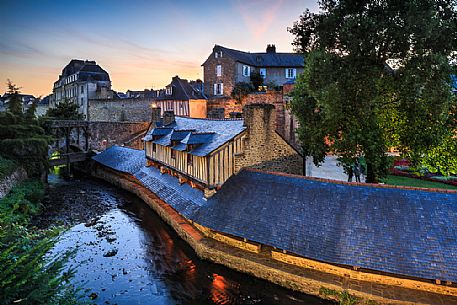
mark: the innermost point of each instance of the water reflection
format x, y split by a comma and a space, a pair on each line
128, 255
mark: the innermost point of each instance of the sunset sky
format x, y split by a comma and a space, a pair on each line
141, 44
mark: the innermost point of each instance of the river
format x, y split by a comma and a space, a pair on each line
125, 254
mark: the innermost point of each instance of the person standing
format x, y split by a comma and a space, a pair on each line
357, 170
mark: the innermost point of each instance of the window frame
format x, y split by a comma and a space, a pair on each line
248, 70
294, 73
265, 72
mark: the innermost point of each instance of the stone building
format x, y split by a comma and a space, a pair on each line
80, 81
207, 152
225, 67
182, 97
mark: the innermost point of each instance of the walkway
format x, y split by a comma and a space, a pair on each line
328, 170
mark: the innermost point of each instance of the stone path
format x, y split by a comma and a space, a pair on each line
329, 169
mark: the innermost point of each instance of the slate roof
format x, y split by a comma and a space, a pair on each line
182, 90
207, 134
267, 59
404, 232
88, 70
122, 159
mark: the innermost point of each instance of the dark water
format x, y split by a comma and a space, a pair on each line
127, 255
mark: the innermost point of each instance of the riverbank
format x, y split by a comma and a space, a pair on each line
314, 279
126, 254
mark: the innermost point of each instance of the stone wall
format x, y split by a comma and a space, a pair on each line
106, 134
265, 149
12, 180
120, 110
227, 77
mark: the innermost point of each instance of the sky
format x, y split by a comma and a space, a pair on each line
141, 44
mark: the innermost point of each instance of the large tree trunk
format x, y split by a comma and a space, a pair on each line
371, 177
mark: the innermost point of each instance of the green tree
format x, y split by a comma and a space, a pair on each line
256, 79
241, 90
30, 113
15, 102
65, 110
377, 74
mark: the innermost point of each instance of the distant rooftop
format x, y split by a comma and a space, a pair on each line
88, 70
266, 59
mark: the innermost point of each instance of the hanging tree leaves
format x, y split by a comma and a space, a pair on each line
377, 75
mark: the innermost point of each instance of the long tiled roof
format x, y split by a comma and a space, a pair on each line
269, 59
122, 159
207, 134
405, 232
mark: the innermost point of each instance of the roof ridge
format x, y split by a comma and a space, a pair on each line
210, 119
372, 185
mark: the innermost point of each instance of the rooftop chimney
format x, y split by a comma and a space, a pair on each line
168, 117
271, 48
155, 117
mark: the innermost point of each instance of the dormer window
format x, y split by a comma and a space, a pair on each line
246, 70
218, 54
169, 90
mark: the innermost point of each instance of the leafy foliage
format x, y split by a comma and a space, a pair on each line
6, 167
241, 90
22, 139
356, 101
442, 158
256, 79
65, 110
15, 102
27, 274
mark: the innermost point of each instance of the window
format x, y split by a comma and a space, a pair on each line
218, 54
153, 147
189, 160
82, 101
291, 73
173, 153
169, 90
218, 89
218, 70
82, 89
263, 72
246, 70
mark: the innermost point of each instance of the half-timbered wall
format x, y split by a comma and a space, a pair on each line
178, 107
213, 170
222, 161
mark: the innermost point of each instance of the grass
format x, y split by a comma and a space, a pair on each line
405, 181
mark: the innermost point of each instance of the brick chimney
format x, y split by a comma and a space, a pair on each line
155, 116
271, 48
168, 117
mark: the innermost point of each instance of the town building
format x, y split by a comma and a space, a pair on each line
27, 101
225, 67
182, 97
207, 152
146, 93
80, 81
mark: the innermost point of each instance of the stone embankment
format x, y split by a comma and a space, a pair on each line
300, 274
11, 180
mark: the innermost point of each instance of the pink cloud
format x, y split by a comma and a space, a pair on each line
258, 15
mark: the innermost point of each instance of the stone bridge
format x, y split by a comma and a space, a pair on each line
74, 139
